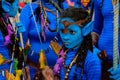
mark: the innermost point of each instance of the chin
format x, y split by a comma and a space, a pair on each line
69, 47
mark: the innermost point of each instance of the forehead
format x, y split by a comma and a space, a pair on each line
68, 21
68, 24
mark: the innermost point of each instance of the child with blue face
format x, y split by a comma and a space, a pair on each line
74, 30
76, 58
71, 35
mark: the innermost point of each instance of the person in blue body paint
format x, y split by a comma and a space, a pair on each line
102, 35
76, 59
8, 8
38, 38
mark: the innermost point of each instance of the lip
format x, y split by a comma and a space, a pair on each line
66, 43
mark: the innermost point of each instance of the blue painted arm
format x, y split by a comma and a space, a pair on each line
98, 18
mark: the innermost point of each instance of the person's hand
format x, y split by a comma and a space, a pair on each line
95, 38
48, 73
115, 74
20, 27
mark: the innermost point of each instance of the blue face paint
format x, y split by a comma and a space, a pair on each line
73, 38
10, 8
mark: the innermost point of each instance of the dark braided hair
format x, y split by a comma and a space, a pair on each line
85, 46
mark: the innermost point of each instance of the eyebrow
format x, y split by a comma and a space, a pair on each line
67, 23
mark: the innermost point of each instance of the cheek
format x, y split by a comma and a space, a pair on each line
76, 42
78, 36
77, 39
62, 36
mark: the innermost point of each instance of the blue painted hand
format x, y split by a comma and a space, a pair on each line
20, 27
115, 74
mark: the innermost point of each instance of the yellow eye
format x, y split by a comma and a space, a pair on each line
72, 32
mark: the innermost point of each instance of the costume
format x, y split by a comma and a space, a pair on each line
76, 61
6, 32
91, 67
104, 27
27, 19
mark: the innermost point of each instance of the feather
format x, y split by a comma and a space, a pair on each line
42, 60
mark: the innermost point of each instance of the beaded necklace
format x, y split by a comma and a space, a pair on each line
68, 68
60, 63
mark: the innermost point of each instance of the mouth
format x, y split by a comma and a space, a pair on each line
66, 43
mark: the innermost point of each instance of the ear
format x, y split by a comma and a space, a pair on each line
6, 6
87, 28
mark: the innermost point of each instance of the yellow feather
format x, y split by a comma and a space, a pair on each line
18, 74
42, 60
2, 59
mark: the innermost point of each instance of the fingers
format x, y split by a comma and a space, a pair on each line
115, 77
115, 74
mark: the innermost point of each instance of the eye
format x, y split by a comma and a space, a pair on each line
72, 32
62, 30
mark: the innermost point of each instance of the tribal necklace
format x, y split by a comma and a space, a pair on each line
61, 62
67, 69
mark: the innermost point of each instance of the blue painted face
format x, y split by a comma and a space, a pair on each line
10, 8
70, 35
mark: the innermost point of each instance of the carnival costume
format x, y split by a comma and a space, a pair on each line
38, 34
104, 28
76, 60
7, 9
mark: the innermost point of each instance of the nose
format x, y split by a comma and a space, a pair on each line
66, 37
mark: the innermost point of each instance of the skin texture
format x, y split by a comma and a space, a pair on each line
73, 35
